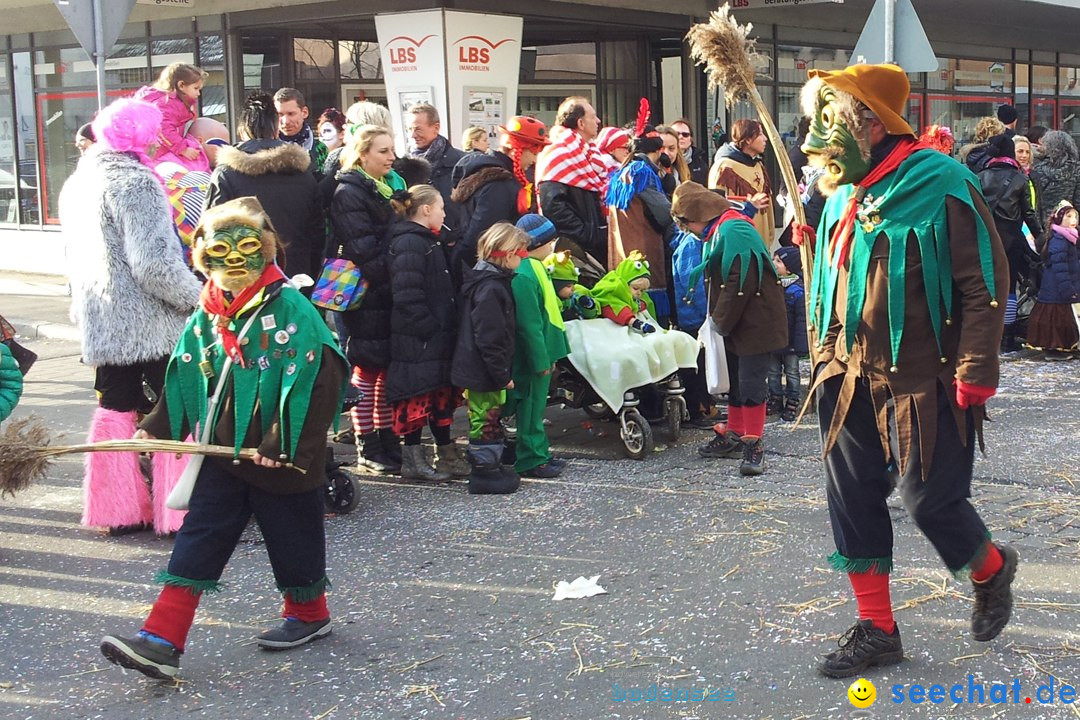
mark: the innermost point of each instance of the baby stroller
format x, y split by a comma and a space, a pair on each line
342, 490
611, 366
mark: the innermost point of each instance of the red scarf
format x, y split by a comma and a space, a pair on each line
841, 238
572, 161
214, 302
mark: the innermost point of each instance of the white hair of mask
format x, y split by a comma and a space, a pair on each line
850, 110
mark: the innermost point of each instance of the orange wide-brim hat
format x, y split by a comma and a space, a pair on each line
882, 88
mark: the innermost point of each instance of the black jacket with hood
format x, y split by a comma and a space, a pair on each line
485, 188
485, 344
278, 174
361, 219
423, 318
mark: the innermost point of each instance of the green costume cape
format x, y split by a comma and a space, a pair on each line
613, 290
734, 238
898, 206
282, 354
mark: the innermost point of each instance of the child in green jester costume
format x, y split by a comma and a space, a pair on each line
539, 342
280, 395
907, 280
577, 300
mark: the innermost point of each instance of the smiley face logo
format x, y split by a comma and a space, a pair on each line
862, 693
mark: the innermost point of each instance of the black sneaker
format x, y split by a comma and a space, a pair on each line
753, 457
790, 411
152, 659
861, 647
993, 598
557, 463
547, 470
292, 633
725, 445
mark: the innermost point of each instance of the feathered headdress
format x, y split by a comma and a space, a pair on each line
642, 117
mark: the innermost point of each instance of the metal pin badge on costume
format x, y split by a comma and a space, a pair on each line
281, 337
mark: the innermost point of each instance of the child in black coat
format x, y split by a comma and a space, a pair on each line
484, 354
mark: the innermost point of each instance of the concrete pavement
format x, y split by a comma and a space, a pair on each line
443, 600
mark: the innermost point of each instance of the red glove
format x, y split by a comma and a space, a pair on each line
801, 233
968, 395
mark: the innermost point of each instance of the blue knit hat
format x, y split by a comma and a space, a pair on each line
791, 259
540, 230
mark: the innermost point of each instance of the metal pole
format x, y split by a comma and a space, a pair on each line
99, 55
890, 31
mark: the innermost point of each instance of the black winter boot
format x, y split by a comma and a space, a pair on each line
391, 445
371, 457
488, 477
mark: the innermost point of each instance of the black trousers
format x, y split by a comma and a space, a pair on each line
120, 387
858, 483
749, 379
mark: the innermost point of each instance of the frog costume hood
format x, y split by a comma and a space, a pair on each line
613, 290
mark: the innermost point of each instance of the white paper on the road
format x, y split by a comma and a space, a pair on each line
580, 588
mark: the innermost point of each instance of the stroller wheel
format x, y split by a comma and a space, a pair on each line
342, 492
597, 411
637, 436
673, 416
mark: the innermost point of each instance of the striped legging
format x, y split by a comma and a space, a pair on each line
372, 412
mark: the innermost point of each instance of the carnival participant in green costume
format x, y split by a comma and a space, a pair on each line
577, 301
905, 305
279, 392
540, 342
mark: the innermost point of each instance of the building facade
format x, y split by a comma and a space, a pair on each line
611, 51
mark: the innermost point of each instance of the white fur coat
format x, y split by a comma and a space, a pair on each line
131, 289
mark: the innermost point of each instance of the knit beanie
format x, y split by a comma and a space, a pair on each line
1007, 114
539, 229
1063, 208
1001, 146
791, 259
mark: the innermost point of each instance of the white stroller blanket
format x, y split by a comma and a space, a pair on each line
614, 359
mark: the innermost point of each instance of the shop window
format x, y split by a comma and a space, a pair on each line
166, 52
620, 60
127, 66
1044, 79
63, 67
974, 76
1045, 114
9, 200
359, 60
212, 60
262, 63
1069, 81
313, 60
542, 102
793, 62
1070, 117
961, 113
26, 147
571, 62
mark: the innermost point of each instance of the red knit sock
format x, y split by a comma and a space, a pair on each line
872, 594
310, 611
173, 614
753, 418
990, 565
735, 419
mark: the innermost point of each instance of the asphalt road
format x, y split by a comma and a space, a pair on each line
716, 584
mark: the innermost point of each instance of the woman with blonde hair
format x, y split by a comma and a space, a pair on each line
679, 172
423, 332
361, 216
475, 139
739, 170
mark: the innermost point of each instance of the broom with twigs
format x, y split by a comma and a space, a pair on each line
25, 452
728, 52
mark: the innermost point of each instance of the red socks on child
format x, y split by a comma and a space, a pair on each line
872, 594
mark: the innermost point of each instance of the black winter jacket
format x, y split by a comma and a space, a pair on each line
361, 219
485, 188
699, 165
441, 178
424, 319
277, 173
1006, 191
485, 345
576, 214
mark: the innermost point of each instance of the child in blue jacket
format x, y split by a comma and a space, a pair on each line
789, 270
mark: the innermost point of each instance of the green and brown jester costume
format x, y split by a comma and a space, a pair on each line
283, 391
905, 309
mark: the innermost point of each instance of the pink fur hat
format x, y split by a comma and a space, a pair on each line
127, 125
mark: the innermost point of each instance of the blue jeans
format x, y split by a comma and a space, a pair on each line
220, 507
788, 363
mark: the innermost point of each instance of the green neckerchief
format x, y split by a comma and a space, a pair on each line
898, 206
282, 352
391, 182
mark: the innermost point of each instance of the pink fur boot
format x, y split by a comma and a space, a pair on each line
168, 467
114, 489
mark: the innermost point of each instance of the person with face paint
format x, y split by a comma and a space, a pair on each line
905, 302
130, 294
331, 125
639, 214
280, 395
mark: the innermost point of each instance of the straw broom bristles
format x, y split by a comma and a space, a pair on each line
25, 452
727, 51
